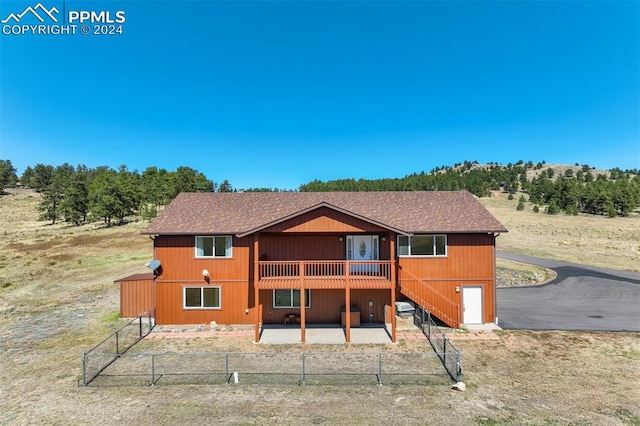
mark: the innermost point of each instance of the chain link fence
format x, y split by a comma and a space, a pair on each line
101, 356
449, 355
282, 368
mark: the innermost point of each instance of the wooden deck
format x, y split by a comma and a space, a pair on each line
327, 274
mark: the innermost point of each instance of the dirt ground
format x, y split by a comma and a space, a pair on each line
57, 298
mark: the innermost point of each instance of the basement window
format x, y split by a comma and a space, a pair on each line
290, 298
217, 246
201, 297
422, 245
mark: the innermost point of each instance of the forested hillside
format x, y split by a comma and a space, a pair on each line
580, 188
80, 195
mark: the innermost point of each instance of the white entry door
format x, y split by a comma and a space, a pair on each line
362, 247
472, 305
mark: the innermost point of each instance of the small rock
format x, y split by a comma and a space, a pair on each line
460, 386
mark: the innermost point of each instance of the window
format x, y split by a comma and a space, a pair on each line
290, 298
213, 246
202, 297
422, 245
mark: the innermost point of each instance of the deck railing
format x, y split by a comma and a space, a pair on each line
325, 270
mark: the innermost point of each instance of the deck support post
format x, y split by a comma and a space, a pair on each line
392, 256
347, 308
303, 304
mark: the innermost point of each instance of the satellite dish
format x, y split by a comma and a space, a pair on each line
154, 264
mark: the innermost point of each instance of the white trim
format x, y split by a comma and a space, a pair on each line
473, 297
435, 246
184, 298
228, 247
307, 299
375, 245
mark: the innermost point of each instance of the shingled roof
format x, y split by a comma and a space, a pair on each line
242, 213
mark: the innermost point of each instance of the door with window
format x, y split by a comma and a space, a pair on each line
362, 248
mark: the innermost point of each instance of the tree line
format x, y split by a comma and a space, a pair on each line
576, 190
80, 194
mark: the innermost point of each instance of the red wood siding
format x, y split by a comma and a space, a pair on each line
468, 256
234, 300
469, 261
181, 268
179, 262
311, 246
325, 220
326, 304
136, 297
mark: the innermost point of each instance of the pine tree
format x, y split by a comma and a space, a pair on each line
8, 175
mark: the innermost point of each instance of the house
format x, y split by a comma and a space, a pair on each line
347, 257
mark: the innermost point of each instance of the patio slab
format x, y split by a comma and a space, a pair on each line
323, 334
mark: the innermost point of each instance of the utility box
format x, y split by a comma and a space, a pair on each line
405, 309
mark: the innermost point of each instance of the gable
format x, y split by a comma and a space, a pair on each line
324, 219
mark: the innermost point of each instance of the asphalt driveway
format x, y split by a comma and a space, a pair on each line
580, 298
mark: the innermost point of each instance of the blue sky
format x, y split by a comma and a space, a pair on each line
276, 94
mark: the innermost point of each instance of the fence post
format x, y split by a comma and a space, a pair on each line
140, 327
226, 366
117, 343
153, 370
84, 369
444, 351
380, 369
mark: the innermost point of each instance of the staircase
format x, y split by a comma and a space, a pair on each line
423, 294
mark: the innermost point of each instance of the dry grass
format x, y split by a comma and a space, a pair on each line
592, 240
57, 298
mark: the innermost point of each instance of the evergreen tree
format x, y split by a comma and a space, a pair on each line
42, 176
225, 186
28, 177
104, 200
187, 179
74, 206
552, 208
8, 175
53, 193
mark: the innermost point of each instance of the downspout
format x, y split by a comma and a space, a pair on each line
154, 292
256, 291
495, 290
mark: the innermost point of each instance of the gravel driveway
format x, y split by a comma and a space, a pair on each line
580, 298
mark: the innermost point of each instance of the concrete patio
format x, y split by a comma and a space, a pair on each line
324, 334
